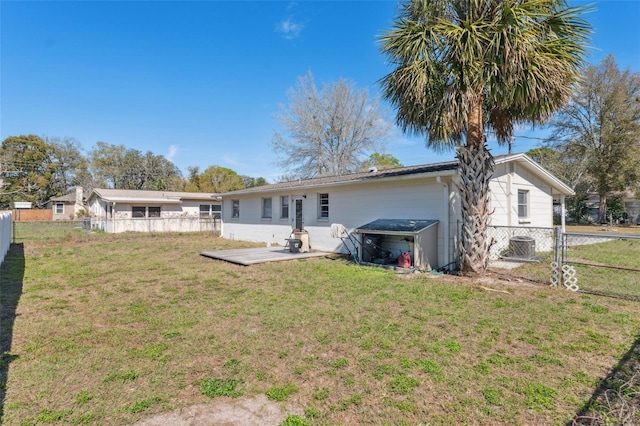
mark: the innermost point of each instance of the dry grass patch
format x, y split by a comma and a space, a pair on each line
111, 331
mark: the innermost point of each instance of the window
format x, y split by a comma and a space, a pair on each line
210, 210
154, 211
235, 209
216, 210
323, 206
59, 208
523, 204
138, 211
266, 208
284, 207
143, 211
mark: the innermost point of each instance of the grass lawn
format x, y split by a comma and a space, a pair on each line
111, 330
604, 229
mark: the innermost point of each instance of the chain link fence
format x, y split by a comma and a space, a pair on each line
600, 263
86, 229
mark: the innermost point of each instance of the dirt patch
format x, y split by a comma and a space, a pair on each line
225, 412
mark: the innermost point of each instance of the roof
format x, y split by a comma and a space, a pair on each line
68, 198
405, 226
449, 167
157, 197
556, 184
435, 169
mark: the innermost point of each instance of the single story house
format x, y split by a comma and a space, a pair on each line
395, 201
121, 210
630, 201
69, 206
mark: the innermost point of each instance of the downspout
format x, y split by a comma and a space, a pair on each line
563, 212
509, 200
445, 221
221, 215
113, 221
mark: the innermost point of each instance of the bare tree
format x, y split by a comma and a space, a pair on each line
328, 131
601, 126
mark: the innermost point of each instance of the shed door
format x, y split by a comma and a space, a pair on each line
298, 209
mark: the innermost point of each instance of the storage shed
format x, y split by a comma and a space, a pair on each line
383, 240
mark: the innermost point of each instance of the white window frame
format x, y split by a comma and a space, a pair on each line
210, 211
235, 209
59, 208
323, 206
267, 208
523, 204
284, 207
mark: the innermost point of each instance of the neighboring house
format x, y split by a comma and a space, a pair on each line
522, 195
631, 206
119, 210
69, 206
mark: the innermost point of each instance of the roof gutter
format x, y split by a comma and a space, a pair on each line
414, 176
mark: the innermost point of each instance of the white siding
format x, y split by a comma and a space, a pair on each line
350, 205
184, 217
507, 180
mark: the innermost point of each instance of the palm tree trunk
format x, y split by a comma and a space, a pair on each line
476, 170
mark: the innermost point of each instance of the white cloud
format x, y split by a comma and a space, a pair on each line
289, 28
173, 150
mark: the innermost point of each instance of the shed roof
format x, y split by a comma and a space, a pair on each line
404, 226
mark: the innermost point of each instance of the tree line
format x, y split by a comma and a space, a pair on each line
35, 169
594, 144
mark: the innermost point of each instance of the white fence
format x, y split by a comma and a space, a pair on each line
5, 234
160, 224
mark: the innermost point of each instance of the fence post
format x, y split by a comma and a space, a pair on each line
558, 256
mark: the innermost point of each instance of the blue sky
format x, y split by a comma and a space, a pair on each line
199, 82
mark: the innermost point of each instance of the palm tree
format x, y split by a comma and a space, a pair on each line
461, 65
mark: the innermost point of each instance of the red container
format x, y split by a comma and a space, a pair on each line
404, 260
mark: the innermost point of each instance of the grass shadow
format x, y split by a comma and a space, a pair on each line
610, 400
11, 278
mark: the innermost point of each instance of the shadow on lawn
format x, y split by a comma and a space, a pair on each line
616, 397
11, 276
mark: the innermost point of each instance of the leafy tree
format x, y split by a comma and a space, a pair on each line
70, 165
250, 182
577, 208
116, 166
463, 65
328, 131
27, 170
214, 179
601, 127
569, 169
381, 162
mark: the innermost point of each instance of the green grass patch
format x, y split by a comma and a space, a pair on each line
220, 387
111, 329
281, 393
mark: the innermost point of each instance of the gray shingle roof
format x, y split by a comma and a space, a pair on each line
354, 177
69, 198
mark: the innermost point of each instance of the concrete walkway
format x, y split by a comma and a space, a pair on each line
252, 256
